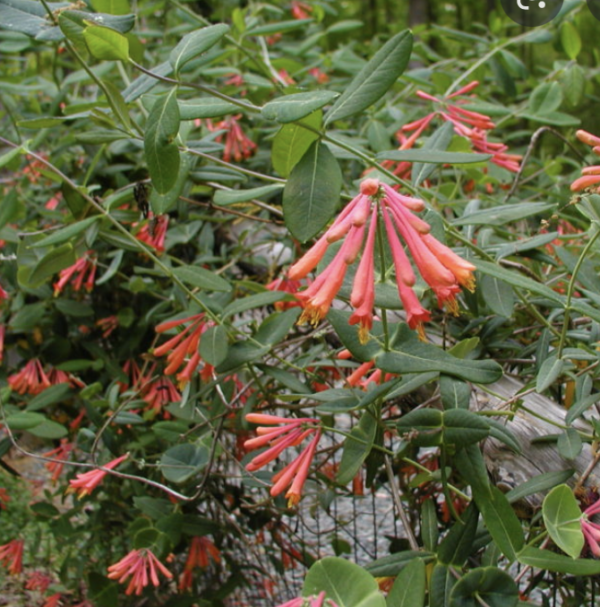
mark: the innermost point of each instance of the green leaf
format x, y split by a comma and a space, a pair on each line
456, 546
516, 279
433, 156
462, 427
112, 7
569, 443
485, 585
50, 396
213, 345
503, 214
541, 482
162, 203
562, 517
410, 355
429, 525
425, 426
50, 430
66, 233
195, 43
201, 278
25, 420
106, 44
332, 574
438, 142
277, 28
549, 372
545, 99
161, 151
9, 207
392, 564
440, 586
312, 192
357, 447
456, 394
292, 142
498, 295
252, 301
117, 103
205, 107
181, 462
544, 559
409, 588
225, 197
154, 507
54, 261
375, 78
293, 107
570, 39
501, 521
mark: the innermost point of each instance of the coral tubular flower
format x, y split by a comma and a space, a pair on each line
590, 175
11, 556
53, 600
2, 334
318, 600
142, 566
76, 274
3, 295
85, 483
182, 346
591, 531
237, 145
160, 393
442, 269
202, 551
4, 498
290, 434
60, 455
38, 581
154, 232
467, 123
31, 379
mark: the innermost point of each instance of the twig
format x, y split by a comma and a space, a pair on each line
399, 506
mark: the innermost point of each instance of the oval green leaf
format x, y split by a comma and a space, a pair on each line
293, 107
332, 575
196, 43
312, 192
106, 44
562, 517
160, 149
201, 278
375, 78
493, 586
181, 462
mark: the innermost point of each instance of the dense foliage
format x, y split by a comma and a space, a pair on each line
257, 264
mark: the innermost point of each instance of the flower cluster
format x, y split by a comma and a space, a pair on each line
237, 145
311, 601
591, 531
442, 269
86, 482
182, 346
202, 550
467, 123
31, 379
154, 232
76, 274
290, 434
142, 566
11, 556
590, 176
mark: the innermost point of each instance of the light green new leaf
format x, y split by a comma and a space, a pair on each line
345, 583
160, 149
195, 43
375, 78
292, 141
562, 517
312, 192
106, 44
